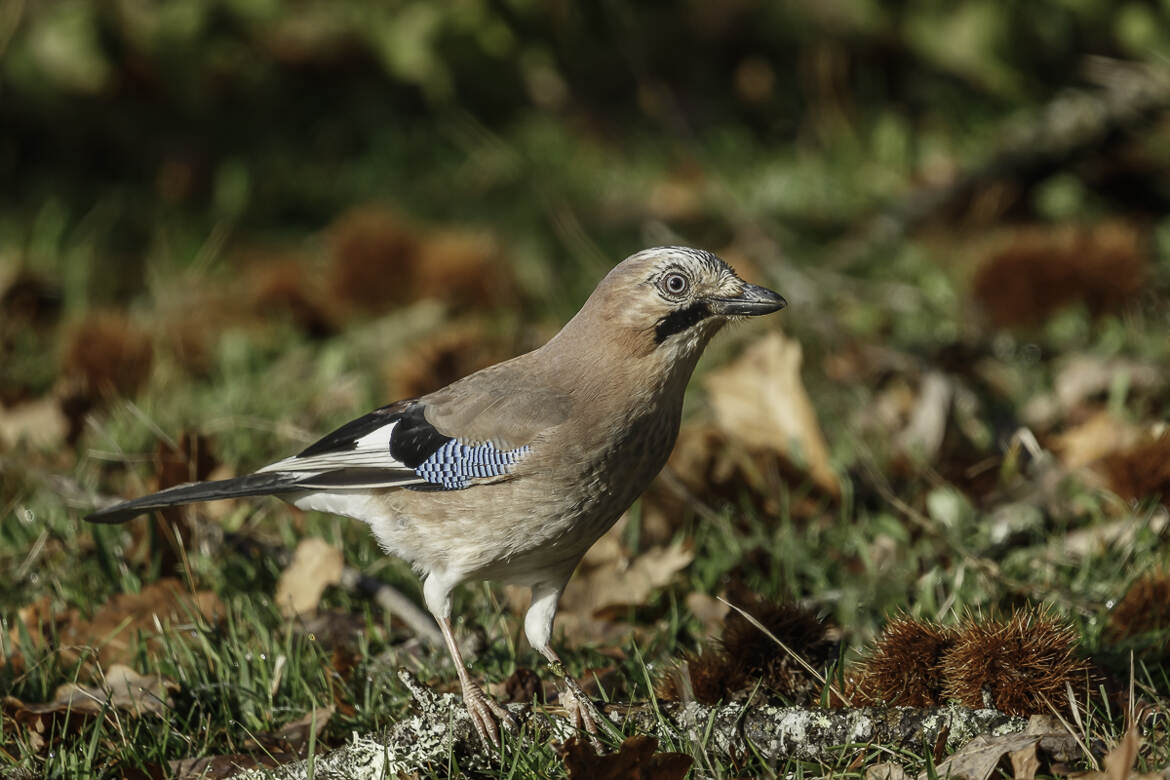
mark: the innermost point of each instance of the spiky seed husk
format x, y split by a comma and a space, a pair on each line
903, 667
1142, 471
707, 676
758, 657
1144, 612
1042, 269
1021, 665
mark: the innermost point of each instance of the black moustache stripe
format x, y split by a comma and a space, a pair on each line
679, 320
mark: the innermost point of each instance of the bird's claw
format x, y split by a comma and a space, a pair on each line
582, 712
487, 716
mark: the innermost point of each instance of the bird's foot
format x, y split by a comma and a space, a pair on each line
582, 712
487, 716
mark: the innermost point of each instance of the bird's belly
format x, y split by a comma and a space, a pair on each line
526, 530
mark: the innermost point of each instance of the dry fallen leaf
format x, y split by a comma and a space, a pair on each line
1117, 534
267, 750
292, 737
978, 758
220, 767
608, 578
40, 424
113, 628
709, 468
886, 770
522, 686
1100, 435
760, 401
710, 611
73, 704
40, 620
624, 582
40, 722
123, 688
316, 565
634, 760
1024, 763
1082, 376
1120, 762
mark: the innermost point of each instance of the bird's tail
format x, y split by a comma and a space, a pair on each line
273, 483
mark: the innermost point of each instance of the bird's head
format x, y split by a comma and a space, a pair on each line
669, 301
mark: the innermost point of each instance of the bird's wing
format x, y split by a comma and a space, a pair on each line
505, 404
363, 443
474, 431
466, 434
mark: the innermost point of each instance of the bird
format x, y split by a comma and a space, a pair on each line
511, 473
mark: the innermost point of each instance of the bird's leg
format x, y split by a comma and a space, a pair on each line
538, 623
581, 710
484, 711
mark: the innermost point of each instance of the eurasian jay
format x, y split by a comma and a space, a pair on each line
512, 473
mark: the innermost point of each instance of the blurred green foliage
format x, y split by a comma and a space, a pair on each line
154, 154
278, 113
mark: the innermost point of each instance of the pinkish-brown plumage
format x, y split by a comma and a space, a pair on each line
511, 473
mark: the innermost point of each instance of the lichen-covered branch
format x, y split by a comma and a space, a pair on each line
440, 727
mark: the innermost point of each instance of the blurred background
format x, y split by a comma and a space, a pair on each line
228, 225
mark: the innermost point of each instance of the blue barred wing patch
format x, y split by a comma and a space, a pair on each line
453, 465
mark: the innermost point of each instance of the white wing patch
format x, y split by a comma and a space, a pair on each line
359, 506
370, 451
345, 462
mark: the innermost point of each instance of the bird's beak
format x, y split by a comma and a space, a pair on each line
751, 301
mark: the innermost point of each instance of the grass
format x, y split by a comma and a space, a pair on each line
928, 538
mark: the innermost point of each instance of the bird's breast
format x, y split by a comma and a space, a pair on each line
537, 524
618, 469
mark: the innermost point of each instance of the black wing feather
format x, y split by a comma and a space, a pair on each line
251, 485
346, 437
414, 439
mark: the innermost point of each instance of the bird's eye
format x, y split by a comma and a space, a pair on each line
675, 284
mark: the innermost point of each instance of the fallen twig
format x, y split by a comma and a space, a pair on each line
1076, 123
441, 728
